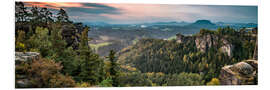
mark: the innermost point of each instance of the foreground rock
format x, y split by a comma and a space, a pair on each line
242, 73
24, 57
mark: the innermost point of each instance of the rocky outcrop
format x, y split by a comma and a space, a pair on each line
180, 38
24, 57
69, 34
204, 42
242, 73
227, 47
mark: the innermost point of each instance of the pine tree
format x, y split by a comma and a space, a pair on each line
90, 63
62, 16
46, 16
113, 69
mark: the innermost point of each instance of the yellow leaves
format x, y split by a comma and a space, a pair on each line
214, 81
128, 67
185, 58
206, 65
19, 41
149, 74
160, 74
21, 45
83, 84
34, 50
171, 57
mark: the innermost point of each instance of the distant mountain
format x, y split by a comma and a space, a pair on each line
202, 24
168, 23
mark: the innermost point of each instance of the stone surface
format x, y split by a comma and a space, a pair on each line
242, 73
69, 34
26, 56
180, 38
205, 42
227, 47
22, 83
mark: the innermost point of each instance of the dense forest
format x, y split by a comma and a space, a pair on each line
171, 57
67, 59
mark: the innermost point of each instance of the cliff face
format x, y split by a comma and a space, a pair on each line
242, 73
71, 34
205, 42
227, 47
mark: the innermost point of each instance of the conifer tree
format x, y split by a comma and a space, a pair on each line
113, 69
90, 63
62, 16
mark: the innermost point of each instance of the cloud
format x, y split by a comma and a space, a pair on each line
94, 9
139, 13
91, 8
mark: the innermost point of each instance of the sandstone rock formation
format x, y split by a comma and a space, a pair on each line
180, 38
242, 73
71, 33
24, 57
205, 42
227, 47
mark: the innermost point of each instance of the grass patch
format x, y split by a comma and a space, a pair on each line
172, 38
96, 46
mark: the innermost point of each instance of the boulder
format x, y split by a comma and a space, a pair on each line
242, 73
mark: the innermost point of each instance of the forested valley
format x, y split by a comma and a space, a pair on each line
65, 58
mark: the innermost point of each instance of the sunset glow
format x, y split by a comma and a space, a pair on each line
141, 13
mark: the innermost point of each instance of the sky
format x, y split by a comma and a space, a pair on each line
148, 13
